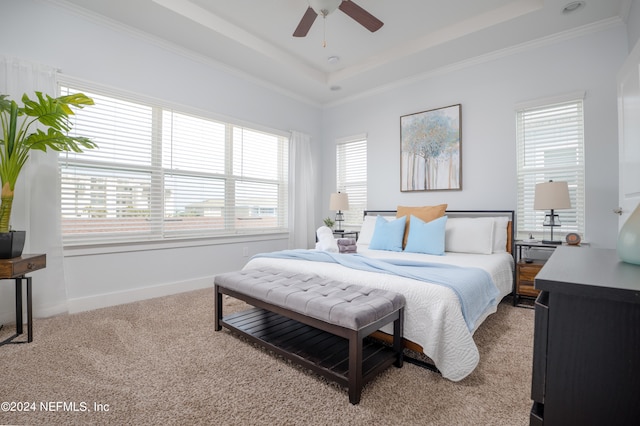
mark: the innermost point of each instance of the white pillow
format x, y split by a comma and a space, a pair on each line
368, 226
469, 235
500, 234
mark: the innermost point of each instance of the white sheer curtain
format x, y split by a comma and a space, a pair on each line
36, 206
302, 200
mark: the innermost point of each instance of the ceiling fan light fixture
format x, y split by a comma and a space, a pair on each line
573, 6
324, 7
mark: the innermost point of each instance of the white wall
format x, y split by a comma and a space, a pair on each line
633, 24
90, 49
488, 92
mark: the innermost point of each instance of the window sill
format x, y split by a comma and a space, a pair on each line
96, 249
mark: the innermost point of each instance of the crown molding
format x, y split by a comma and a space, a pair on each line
178, 50
582, 31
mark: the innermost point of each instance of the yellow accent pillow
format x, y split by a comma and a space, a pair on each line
425, 213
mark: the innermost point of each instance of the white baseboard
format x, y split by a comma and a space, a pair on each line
105, 300
8, 318
82, 304
8, 315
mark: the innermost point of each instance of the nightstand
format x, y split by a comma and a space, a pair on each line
527, 269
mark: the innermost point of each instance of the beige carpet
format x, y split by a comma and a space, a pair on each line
160, 362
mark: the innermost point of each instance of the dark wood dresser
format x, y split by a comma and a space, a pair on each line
586, 355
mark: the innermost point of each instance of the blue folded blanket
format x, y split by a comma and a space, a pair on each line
473, 286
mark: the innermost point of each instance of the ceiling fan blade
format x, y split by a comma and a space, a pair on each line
305, 23
361, 16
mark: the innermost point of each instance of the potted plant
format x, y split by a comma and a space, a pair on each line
329, 222
41, 123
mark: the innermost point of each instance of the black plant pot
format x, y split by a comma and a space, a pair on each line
11, 244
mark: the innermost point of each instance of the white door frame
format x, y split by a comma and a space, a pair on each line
629, 135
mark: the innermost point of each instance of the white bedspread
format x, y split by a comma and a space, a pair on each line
433, 316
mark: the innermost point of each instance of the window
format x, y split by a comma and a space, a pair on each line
163, 174
550, 141
351, 167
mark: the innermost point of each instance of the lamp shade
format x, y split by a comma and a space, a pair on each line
552, 196
339, 201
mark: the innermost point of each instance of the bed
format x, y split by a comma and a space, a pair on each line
435, 325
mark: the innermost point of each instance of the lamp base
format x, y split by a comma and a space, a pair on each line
551, 242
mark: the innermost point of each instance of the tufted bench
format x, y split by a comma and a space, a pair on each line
317, 322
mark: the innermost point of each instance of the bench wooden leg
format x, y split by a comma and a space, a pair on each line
397, 338
355, 367
217, 314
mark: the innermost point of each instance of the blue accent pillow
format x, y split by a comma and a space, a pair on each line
426, 237
388, 235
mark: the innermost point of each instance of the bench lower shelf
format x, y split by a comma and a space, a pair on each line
318, 350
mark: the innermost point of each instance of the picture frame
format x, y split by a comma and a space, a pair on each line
431, 150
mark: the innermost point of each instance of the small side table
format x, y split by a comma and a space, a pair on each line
346, 234
527, 271
16, 269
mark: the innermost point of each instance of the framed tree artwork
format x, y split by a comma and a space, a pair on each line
430, 150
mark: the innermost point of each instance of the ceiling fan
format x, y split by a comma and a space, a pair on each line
326, 7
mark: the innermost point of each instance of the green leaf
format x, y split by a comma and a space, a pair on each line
5, 104
13, 123
46, 110
57, 141
77, 99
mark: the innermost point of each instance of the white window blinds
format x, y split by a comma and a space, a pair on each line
159, 174
550, 146
351, 170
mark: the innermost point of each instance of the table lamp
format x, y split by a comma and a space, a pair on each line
339, 201
552, 196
